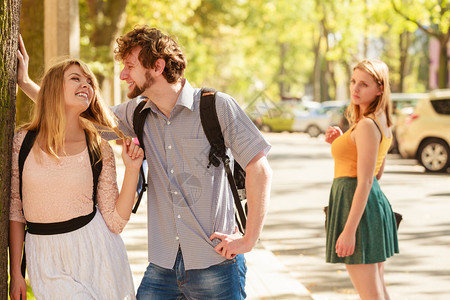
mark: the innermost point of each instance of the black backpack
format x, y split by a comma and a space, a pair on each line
58, 227
211, 127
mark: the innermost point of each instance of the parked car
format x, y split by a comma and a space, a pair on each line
336, 111
402, 105
425, 133
300, 118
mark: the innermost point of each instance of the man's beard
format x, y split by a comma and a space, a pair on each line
137, 91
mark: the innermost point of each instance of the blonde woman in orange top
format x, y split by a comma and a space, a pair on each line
361, 230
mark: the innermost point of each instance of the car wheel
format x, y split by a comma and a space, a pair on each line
265, 128
313, 131
434, 155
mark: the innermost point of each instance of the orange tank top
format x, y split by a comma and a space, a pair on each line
345, 156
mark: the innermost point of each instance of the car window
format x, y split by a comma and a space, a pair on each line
441, 106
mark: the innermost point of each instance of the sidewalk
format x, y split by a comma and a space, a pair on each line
267, 277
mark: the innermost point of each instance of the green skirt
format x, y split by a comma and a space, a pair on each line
376, 236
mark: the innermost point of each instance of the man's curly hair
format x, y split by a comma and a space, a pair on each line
155, 45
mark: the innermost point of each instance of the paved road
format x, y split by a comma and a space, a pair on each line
294, 230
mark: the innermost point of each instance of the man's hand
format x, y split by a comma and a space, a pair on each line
231, 244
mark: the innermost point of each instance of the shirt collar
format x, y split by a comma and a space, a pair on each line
186, 98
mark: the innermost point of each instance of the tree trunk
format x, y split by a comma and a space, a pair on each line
9, 24
405, 42
32, 31
323, 80
282, 74
316, 69
443, 80
108, 19
331, 66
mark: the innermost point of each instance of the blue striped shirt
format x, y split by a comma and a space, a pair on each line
187, 202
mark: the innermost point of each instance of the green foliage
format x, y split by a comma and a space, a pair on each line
244, 47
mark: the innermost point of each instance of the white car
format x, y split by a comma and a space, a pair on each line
313, 121
307, 118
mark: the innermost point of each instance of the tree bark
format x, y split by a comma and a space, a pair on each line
9, 24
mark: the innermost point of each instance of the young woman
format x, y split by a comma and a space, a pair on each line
86, 260
361, 230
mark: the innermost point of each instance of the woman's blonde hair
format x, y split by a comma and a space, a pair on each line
380, 73
49, 117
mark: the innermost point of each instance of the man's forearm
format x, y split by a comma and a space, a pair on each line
258, 184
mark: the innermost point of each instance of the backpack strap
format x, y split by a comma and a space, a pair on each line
139, 117
211, 126
96, 166
213, 132
25, 149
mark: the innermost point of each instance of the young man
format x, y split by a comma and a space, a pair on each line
194, 248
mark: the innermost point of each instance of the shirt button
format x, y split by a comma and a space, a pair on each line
176, 193
169, 147
168, 122
171, 171
179, 217
177, 238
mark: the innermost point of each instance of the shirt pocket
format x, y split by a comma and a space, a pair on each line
195, 176
195, 157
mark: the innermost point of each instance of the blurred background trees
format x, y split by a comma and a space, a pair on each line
280, 48
276, 49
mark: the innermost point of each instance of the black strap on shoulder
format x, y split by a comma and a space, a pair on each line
25, 149
213, 132
96, 166
211, 126
139, 116
378, 127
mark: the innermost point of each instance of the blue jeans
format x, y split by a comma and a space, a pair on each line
222, 281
